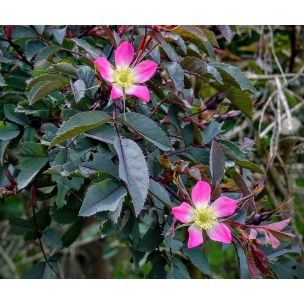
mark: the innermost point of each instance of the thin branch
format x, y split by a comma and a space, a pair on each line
272, 125
18, 50
33, 195
275, 56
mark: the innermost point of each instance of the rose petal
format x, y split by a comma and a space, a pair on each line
144, 70
220, 233
116, 92
105, 68
183, 213
124, 55
195, 236
141, 92
201, 194
224, 206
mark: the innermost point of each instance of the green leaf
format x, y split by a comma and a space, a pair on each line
244, 271
3, 147
231, 148
65, 68
178, 270
23, 32
152, 239
212, 131
51, 238
64, 215
214, 73
148, 129
43, 89
233, 152
177, 75
43, 218
8, 131
189, 31
158, 266
174, 245
217, 163
47, 52
79, 124
25, 178
59, 34
100, 165
87, 75
194, 65
78, 88
248, 165
72, 234
18, 118
203, 38
95, 53
64, 184
104, 133
32, 157
45, 78
2, 81
234, 76
234, 84
104, 168
211, 37
198, 259
169, 50
133, 170
103, 196
39, 28
41, 271
238, 98
32, 47
159, 195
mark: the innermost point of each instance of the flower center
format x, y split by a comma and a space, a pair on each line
204, 218
124, 77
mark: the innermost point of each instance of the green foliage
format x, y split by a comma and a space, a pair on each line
32, 157
133, 170
8, 131
79, 124
103, 196
91, 180
148, 129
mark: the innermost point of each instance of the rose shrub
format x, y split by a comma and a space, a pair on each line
114, 137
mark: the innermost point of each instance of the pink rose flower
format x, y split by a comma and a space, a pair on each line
124, 78
205, 216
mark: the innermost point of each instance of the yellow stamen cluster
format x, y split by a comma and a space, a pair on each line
204, 218
124, 77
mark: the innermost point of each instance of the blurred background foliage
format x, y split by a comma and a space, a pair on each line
272, 57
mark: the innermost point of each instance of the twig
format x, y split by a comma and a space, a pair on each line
253, 76
33, 196
8, 261
275, 56
284, 103
77, 53
271, 126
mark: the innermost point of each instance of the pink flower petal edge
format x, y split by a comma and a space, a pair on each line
224, 206
124, 55
220, 233
116, 92
183, 213
195, 236
144, 70
200, 195
141, 92
105, 68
